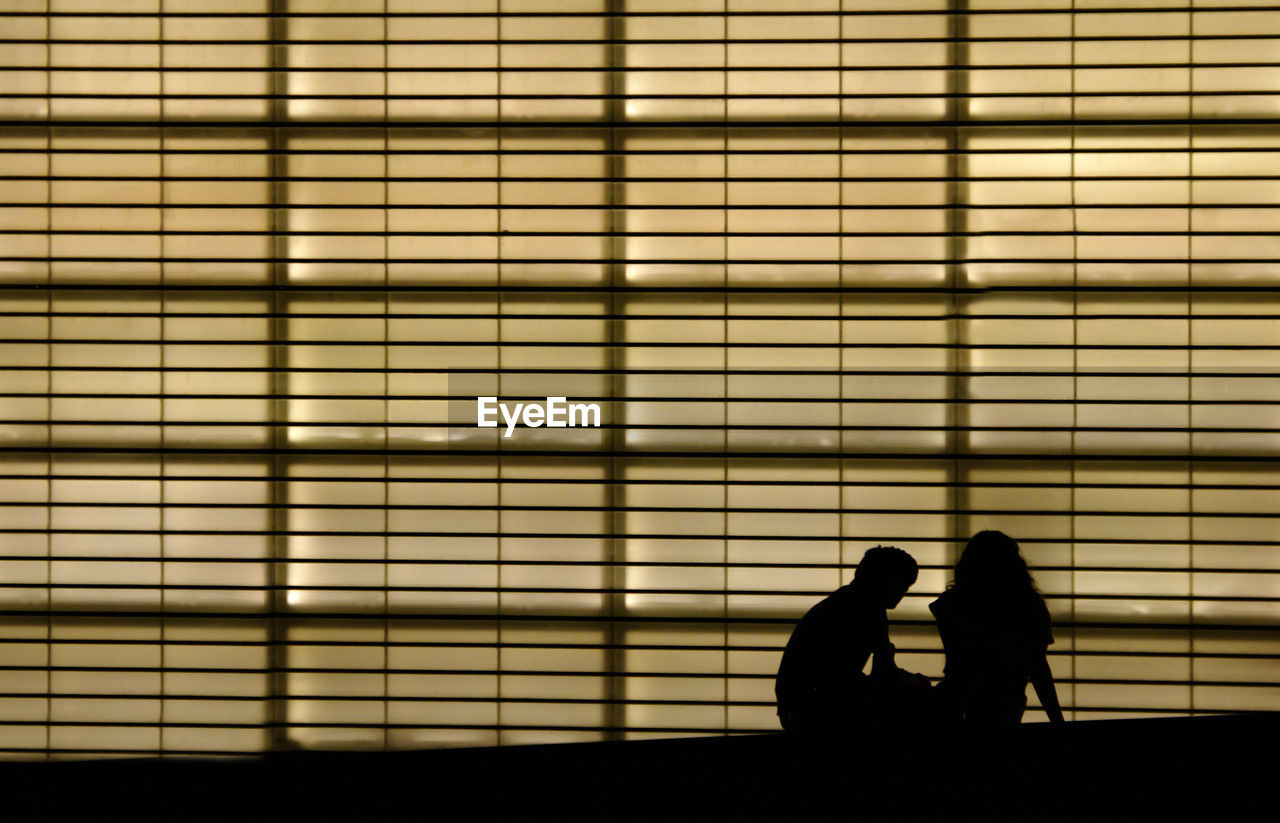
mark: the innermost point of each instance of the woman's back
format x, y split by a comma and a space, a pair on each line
995, 630
991, 653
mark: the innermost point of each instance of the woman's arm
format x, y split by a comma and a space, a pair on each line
1042, 680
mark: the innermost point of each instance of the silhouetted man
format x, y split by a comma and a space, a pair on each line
821, 686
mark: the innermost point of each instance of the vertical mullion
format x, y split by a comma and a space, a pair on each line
842, 305
1075, 360
163, 387
386, 391
957, 416
615, 491
278, 680
498, 310
1191, 437
48, 384
724, 362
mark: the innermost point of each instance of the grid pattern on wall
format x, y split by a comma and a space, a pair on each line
840, 273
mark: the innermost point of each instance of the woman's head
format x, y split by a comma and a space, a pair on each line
991, 563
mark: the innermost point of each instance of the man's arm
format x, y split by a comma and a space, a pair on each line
884, 667
882, 660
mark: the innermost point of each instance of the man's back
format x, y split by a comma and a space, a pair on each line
821, 669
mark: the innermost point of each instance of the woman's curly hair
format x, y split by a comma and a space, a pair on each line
992, 569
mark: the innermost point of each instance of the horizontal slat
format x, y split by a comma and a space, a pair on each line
549, 534
673, 341
623, 70
111, 311
809, 596
1241, 373
394, 699
507, 151
54, 208
55, 475
355, 14
1165, 290
853, 122
392, 97
853, 150
924, 455
587, 259
732, 647
600, 178
1031, 512
656, 536
635, 41
63, 558
175, 589
618, 402
379, 615
653, 427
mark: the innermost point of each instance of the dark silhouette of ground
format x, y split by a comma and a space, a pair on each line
1202, 768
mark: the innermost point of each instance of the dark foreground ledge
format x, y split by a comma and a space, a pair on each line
1217, 766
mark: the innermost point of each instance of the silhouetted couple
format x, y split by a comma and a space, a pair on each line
995, 632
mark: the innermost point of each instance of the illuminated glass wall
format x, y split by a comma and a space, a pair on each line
838, 273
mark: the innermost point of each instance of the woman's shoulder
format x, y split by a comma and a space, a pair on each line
1041, 622
1030, 609
945, 605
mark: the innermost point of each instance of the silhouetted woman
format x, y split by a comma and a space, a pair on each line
996, 632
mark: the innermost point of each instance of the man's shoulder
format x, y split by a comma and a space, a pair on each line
840, 604
849, 598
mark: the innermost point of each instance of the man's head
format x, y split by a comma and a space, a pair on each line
886, 572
